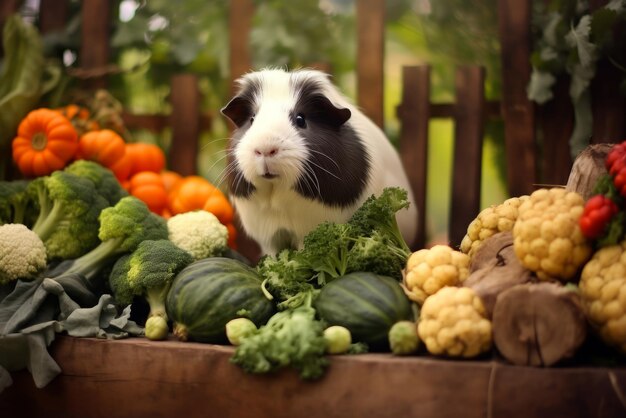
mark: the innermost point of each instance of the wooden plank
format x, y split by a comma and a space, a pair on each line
446, 110
517, 110
556, 121
140, 378
95, 32
185, 121
468, 148
414, 115
370, 15
608, 106
240, 23
158, 123
52, 15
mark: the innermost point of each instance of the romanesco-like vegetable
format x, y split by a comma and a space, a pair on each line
603, 290
22, 253
490, 221
199, 233
69, 206
122, 228
292, 337
547, 236
453, 323
148, 272
403, 338
430, 269
104, 180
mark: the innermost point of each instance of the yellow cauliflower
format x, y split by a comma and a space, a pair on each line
546, 235
428, 270
603, 290
454, 322
490, 221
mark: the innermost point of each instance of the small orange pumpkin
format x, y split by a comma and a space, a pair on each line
190, 193
102, 146
145, 157
148, 186
219, 206
46, 141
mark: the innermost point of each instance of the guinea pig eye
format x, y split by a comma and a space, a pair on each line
300, 121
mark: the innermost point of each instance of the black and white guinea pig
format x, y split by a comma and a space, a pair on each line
302, 154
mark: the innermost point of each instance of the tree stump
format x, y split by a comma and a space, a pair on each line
587, 168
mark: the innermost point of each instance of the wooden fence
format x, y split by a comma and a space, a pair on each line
536, 137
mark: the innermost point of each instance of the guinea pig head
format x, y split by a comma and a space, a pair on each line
289, 134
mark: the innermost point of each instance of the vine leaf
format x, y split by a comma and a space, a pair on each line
578, 38
539, 88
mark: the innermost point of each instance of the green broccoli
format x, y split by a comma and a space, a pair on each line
292, 337
326, 250
69, 206
378, 254
148, 272
15, 203
105, 181
122, 228
379, 214
286, 277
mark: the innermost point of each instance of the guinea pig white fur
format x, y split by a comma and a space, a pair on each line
302, 154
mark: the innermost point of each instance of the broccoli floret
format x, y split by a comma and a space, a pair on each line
149, 271
105, 181
286, 277
293, 337
198, 232
22, 253
122, 228
377, 254
15, 203
379, 213
69, 206
326, 250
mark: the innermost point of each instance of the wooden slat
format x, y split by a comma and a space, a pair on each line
517, 110
414, 115
468, 141
157, 123
446, 110
556, 121
95, 32
370, 15
609, 107
52, 15
240, 23
185, 121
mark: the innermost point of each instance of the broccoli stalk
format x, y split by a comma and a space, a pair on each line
122, 228
292, 337
148, 272
15, 205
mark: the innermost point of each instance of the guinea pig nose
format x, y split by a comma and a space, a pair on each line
269, 152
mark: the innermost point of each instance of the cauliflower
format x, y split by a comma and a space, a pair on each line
428, 270
199, 233
490, 221
547, 238
454, 322
603, 290
22, 253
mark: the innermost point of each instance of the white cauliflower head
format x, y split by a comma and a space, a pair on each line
22, 253
453, 322
603, 290
546, 235
428, 270
199, 233
490, 221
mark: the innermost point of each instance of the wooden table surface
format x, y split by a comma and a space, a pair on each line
140, 378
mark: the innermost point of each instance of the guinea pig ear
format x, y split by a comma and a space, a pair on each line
332, 114
238, 110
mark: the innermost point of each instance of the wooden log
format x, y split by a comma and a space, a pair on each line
495, 268
588, 167
538, 324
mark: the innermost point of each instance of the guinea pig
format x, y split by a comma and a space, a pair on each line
302, 154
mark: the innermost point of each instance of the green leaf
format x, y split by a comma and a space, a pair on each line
539, 88
578, 38
583, 124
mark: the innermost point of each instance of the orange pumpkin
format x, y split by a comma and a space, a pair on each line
121, 168
148, 186
46, 141
103, 146
219, 206
170, 179
145, 157
232, 236
191, 193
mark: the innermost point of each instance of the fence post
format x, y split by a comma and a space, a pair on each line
185, 122
95, 34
